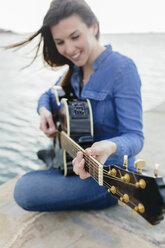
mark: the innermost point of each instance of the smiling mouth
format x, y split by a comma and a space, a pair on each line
76, 56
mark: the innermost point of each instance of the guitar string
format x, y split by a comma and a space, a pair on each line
131, 184
74, 151
89, 160
105, 173
95, 166
120, 172
119, 194
64, 139
94, 170
134, 177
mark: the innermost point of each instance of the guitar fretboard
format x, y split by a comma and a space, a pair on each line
91, 164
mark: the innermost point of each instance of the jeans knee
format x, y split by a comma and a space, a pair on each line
21, 194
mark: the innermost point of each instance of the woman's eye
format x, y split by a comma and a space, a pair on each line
59, 42
75, 37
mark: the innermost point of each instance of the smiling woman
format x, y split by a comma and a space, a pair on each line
76, 42
70, 35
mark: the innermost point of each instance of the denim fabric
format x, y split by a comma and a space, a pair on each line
114, 90
49, 190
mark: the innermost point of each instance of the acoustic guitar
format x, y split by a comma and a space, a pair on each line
145, 195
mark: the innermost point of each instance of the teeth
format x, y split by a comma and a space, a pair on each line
76, 56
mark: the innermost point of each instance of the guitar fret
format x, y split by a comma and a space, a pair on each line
93, 166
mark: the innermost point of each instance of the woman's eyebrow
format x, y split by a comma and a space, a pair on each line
73, 32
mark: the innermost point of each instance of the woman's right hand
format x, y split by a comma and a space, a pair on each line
46, 122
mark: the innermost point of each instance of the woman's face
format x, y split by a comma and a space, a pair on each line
75, 40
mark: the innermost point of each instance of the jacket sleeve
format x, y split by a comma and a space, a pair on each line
127, 97
48, 100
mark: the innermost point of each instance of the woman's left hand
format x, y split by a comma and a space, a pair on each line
100, 150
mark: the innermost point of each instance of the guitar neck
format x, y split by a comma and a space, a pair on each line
91, 164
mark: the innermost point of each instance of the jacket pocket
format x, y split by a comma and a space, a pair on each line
99, 102
96, 95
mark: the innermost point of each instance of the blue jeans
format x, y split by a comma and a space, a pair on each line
49, 190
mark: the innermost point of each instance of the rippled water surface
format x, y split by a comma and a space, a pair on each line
20, 137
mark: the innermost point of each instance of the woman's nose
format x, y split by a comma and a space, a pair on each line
69, 48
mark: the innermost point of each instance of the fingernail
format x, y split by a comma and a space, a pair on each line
89, 151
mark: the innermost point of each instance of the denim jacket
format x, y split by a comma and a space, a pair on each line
114, 90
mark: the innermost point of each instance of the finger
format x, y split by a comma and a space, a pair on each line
88, 151
94, 150
82, 172
79, 156
51, 123
51, 128
43, 125
91, 152
85, 175
78, 167
73, 161
51, 131
51, 135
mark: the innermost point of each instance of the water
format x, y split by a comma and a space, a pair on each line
20, 137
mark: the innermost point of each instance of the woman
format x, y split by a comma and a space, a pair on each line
70, 34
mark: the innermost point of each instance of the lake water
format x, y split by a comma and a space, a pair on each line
20, 137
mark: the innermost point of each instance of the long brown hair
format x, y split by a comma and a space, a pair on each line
58, 10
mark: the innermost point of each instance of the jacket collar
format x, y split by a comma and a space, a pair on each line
98, 61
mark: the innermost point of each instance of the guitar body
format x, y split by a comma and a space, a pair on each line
75, 118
